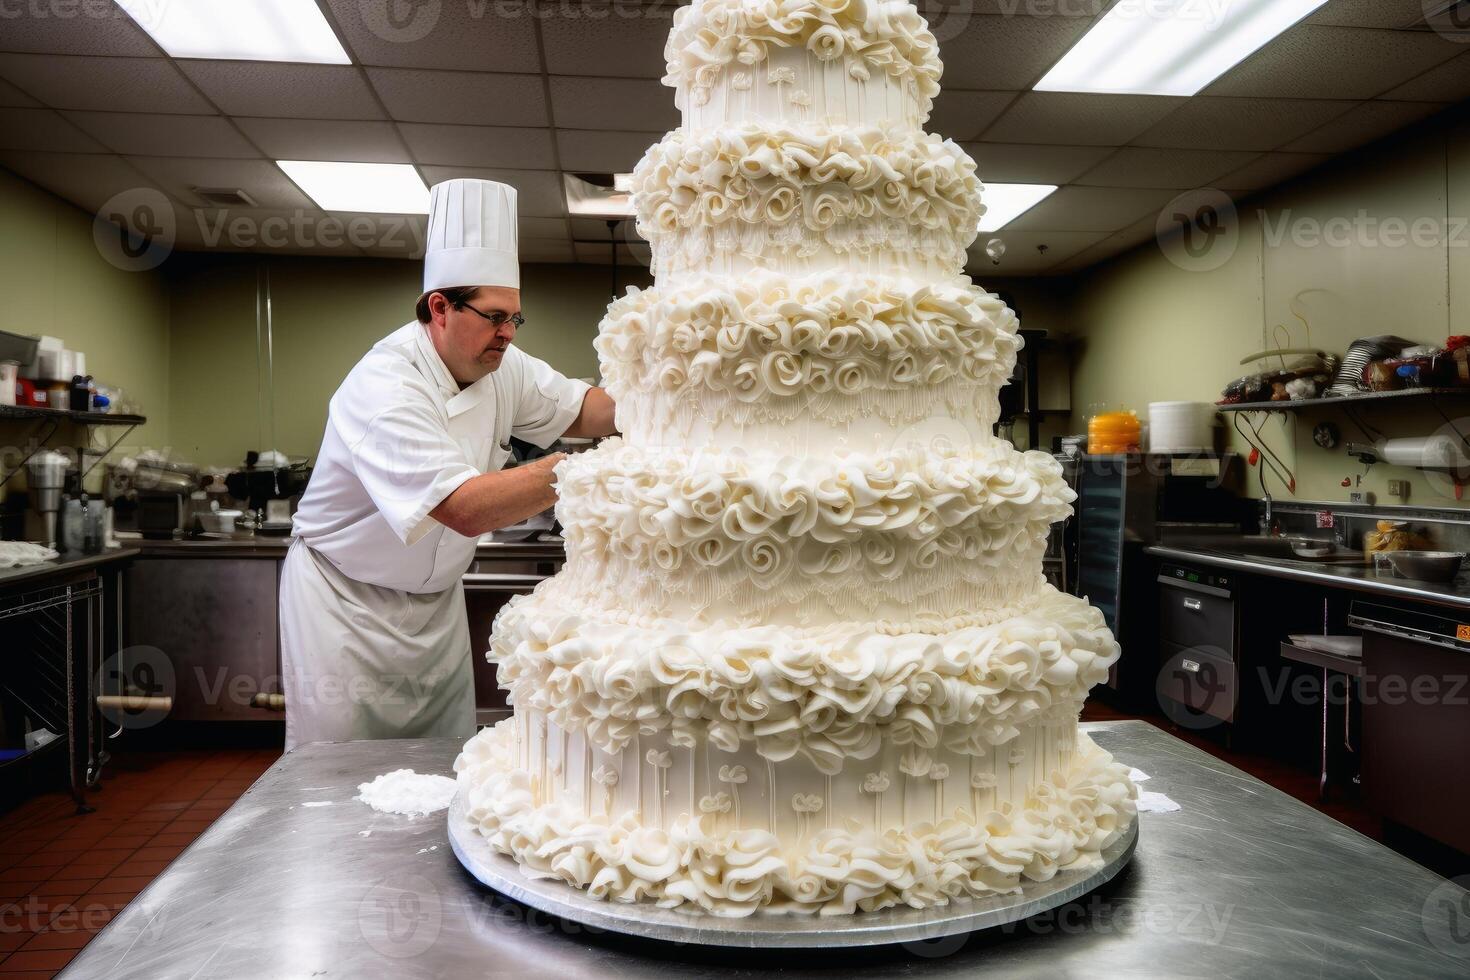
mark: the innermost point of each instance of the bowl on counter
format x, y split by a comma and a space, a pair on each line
1427, 566
1312, 548
219, 521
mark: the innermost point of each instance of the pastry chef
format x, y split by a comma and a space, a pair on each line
375, 639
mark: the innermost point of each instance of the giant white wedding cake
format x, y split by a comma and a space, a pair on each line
802, 656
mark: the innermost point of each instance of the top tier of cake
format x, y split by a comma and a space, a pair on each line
791, 62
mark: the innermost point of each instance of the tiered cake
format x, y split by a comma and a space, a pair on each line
802, 656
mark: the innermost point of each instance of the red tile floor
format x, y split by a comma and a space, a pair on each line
64, 875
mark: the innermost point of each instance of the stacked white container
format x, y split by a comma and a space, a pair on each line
1181, 427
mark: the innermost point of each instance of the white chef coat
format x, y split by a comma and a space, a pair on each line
374, 637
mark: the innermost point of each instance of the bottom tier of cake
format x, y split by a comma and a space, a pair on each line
733, 832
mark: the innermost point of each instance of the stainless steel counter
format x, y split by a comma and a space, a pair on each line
64, 565
262, 546
1360, 578
1243, 881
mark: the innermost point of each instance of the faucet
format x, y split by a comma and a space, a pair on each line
1266, 520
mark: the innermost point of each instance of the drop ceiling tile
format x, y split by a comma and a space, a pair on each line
547, 252
106, 84
1022, 254
595, 151
86, 180
467, 98
270, 231
1137, 166
399, 236
262, 180
478, 35
12, 96
963, 116
1033, 163
1314, 62
45, 130
1448, 82
1368, 122
595, 230
622, 40
1074, 117
634, 104
151, 134
1370, 13
325, 139
596, 253
94, 27
538, 192
272, 88
479, 146
1092, 209
1270, 169
1240, 124
1007, 52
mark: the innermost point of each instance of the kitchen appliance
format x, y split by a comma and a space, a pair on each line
1124, 504
46, 473
1198, 628
268, 476
1416, 723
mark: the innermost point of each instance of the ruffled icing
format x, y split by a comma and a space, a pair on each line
748, 187
769, 347
827, 694
872, 37
1069, 818
713, 522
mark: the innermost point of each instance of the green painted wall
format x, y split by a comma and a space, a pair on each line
326, 313
55, 282
1375, 242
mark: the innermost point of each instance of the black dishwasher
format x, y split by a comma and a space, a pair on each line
1199, 678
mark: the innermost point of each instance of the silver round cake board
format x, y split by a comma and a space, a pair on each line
765, 930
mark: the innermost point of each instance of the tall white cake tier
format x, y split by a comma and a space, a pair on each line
802, 656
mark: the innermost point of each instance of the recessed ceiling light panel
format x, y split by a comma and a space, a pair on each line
373, 188
1005, 203
239, 30
1170, 47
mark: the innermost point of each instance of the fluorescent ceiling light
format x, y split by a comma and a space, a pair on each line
1170, 47
1005, 203
374, 188
239, 30
589, 200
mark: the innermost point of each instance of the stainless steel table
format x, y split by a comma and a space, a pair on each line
1243, 881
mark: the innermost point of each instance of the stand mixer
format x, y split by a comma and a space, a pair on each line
46, 479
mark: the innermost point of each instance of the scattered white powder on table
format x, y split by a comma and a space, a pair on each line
406, 792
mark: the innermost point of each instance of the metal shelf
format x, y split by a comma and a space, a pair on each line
1406, 395
29, 413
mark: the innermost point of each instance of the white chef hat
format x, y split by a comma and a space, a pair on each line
472, 235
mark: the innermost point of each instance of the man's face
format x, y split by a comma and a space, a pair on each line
471, 345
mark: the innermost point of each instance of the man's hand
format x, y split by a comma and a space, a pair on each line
495, 500
597, 417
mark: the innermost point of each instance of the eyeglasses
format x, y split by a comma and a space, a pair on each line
499, 318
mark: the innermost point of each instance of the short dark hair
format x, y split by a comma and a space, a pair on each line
456, 296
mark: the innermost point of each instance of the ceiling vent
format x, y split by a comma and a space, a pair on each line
225, 197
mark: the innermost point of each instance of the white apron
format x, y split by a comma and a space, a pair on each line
374, 632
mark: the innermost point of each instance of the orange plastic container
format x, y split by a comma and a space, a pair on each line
1113, 432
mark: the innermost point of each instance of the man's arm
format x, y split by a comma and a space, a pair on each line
494, 500
596, 417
